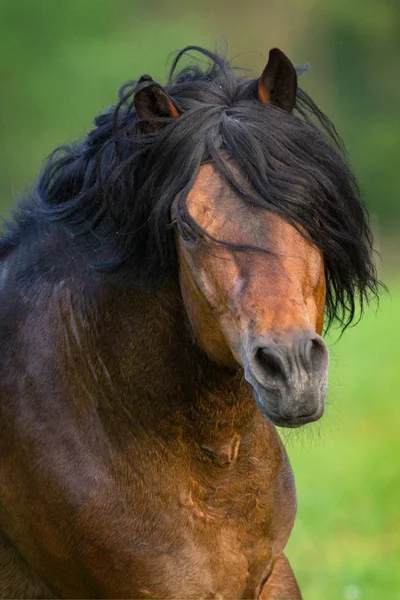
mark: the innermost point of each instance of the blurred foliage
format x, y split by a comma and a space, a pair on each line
362, 38
62, 62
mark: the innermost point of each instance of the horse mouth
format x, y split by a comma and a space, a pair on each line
298, 421
292, 408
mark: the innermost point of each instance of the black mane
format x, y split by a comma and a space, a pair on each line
116, 187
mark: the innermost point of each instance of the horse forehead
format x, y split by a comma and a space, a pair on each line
220, 210
206, 190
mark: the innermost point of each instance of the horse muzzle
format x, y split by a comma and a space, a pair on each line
289, 377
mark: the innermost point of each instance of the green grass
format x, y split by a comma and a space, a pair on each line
346, 540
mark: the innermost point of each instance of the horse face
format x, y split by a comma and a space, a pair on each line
263, 310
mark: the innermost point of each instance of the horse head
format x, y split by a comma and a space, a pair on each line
252, 283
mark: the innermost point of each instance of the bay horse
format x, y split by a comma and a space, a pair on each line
162, 298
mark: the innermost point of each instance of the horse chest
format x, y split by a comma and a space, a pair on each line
222, 519
228, 525
163, 522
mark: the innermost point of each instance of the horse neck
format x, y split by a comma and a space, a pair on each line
143, 354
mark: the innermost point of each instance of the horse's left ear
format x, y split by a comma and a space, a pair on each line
152, 101
278, 82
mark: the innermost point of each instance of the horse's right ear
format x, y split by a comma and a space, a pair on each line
152, 102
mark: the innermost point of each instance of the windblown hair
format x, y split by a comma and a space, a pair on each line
117, 186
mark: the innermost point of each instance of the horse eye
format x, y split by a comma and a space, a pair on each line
185, 232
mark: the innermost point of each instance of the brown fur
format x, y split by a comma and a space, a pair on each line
134, 460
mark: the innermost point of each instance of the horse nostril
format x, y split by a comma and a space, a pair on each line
316, 354
271, 364
288, 368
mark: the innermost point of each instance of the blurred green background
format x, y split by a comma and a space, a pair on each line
61, 63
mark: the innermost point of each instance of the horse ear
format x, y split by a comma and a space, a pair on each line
152, 101
278, 82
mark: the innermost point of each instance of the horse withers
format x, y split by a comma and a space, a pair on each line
162, 298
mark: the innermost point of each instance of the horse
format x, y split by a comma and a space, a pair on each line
164, 290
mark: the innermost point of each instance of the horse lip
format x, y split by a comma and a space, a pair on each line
274, 414
293, 422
